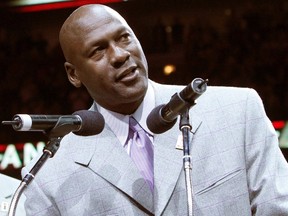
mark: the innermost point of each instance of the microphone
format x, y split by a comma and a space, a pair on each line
163, 117
82, 122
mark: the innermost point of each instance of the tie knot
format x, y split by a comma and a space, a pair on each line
134, 125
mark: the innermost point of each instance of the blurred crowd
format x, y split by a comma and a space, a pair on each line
250, 50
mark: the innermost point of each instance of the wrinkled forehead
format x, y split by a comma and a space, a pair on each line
84, 20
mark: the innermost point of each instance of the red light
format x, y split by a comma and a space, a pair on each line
2, 147
278, 124
19, 147
59, 5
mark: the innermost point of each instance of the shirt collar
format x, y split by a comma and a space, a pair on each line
119, 123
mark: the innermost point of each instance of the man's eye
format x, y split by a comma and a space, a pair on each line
125, 37
97, 52
99, 49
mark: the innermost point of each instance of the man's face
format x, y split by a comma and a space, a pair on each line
109, 62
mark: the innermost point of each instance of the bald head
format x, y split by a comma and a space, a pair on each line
77, 25
103, 54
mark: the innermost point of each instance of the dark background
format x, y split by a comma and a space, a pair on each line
231, 43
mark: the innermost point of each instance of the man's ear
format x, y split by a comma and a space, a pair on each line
72, 74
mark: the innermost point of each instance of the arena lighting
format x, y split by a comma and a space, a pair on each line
281, 128
33, 2
42, 5
17, 155
169, 69
278, 124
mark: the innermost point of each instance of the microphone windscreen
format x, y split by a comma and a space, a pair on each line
156, 123
92, 123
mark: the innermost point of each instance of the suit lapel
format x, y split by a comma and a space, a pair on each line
105, 156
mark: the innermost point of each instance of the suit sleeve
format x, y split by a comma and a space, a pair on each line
267, 169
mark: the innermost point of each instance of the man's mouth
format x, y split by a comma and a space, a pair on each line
128, 75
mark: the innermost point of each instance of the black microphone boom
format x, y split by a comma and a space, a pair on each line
81, 122
163, 117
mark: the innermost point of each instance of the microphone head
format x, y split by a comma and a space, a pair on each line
156, 123
92, 123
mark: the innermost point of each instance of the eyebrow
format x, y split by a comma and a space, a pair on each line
96, 42
116, 32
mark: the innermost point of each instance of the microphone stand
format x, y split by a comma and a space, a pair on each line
55, 136
48, 152
185, 127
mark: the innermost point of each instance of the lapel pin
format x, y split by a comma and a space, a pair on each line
179, 144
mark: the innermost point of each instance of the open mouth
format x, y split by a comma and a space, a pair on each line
128, 74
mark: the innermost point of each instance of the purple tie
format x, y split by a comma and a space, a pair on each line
141, 151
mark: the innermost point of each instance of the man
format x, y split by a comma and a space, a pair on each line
238, 168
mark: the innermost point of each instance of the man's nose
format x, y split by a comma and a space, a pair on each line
119, 55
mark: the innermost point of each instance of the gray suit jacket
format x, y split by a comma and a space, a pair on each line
238, 168
8, 186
